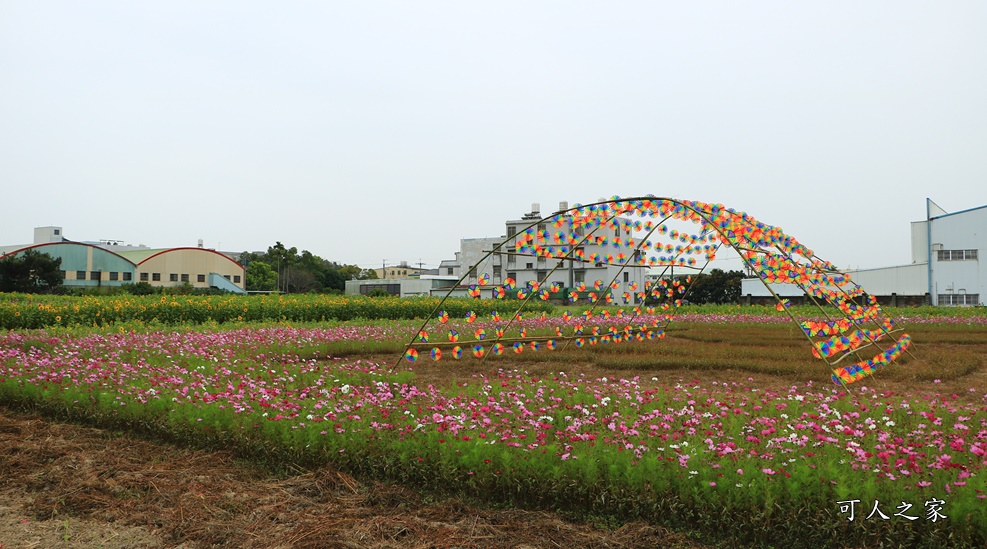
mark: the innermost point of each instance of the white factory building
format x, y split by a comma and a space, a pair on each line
486, 256
945, 268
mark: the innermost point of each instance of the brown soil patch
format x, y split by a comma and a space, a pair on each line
72, 486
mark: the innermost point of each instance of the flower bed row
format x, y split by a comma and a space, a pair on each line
630, 447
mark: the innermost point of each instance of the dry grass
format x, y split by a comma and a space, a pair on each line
73, 486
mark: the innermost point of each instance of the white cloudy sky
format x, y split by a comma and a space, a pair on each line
369, 130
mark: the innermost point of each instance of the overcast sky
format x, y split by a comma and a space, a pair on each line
365, 131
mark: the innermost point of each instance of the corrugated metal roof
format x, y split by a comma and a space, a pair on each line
136, 256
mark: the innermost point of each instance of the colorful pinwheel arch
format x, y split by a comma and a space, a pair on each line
660, 234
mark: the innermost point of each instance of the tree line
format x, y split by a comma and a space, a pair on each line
286, 270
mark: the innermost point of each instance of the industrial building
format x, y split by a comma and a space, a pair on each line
486, 256
112, 263
401, 270
944, 271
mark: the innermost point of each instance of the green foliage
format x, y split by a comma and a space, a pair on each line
30, 271
179, 305
296, 272
260, 277
140, 288
378, 293
715, 287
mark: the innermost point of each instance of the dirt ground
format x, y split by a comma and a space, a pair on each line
72, 486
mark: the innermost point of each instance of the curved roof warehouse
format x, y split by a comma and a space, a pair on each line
112, 264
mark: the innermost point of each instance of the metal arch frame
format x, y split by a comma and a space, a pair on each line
707, 225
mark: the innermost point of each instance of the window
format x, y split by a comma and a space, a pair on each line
580, 276
63, 275
955, 255
93, 275
227, 277
114, 276
449, 270
200, 278
57, 232
473, 272
393, 289
512, 275
127, 277
156, 277
627, 276
529, 265
542, 275
173, 277
144, 277
958, 299
80, 275
511, 231
496, 272
184, 278
236, 279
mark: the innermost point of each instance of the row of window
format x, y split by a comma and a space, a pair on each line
579, 231
156, 277
393, 289
959, 299
175, 277
96, 275
955, 255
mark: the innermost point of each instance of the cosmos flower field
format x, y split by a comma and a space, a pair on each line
785, 457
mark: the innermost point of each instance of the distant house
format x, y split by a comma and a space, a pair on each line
401, 270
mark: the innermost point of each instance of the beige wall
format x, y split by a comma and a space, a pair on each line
192, 262
398, 272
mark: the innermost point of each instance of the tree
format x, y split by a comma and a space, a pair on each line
716, 286
261, 277
305, 271
298, 281
30, 272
